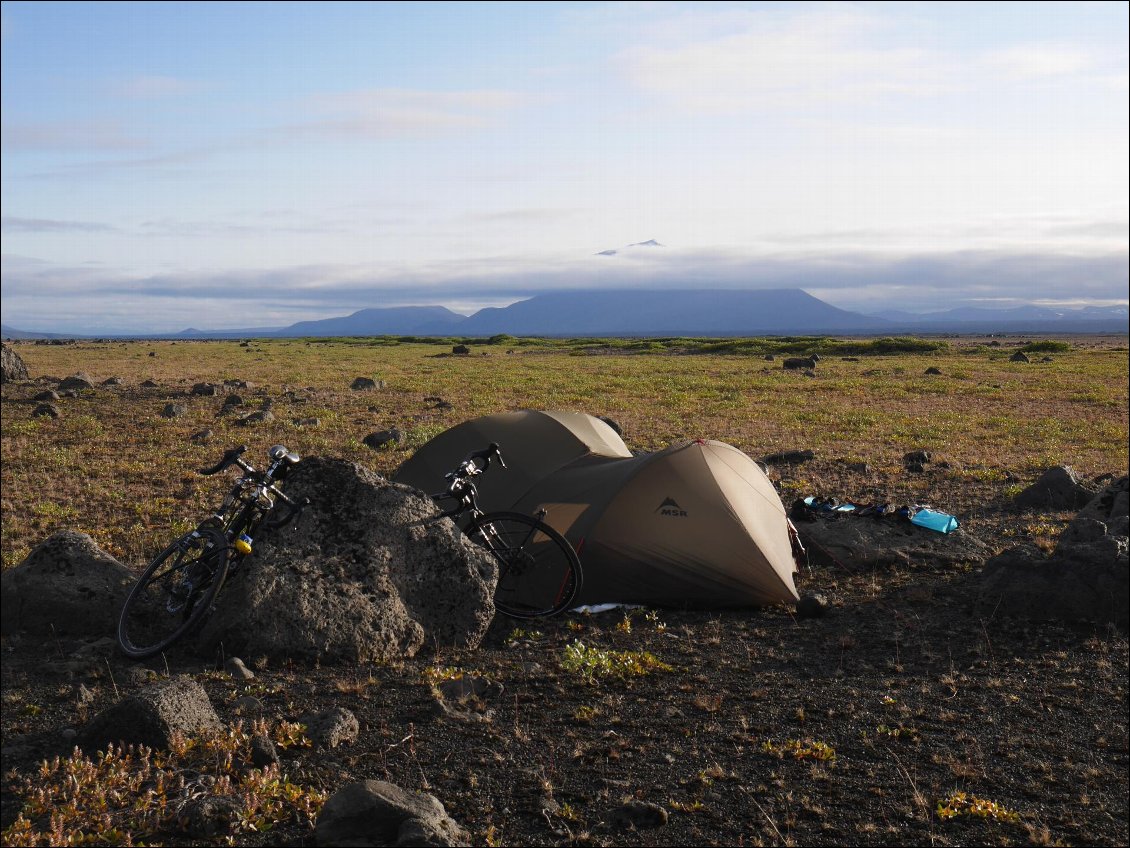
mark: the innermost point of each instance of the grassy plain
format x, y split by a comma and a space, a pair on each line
903, 717
114, 467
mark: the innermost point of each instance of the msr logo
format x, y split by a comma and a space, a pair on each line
669, 507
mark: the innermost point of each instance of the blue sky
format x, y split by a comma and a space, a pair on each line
229, 164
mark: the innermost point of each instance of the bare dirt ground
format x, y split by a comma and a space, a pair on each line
855, 728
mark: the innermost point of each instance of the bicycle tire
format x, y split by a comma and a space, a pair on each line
154, 616
539, 573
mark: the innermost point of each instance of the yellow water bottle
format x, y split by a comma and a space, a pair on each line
243, 544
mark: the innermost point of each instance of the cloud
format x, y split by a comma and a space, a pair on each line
47, 225
784, 63
1037, 61
386, 113
67, 135
742, 60
81, 299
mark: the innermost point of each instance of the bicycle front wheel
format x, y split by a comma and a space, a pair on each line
539, 573
174, 593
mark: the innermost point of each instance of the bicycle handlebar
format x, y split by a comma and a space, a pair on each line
231, 457
491, 451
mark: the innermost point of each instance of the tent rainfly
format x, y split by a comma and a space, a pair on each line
695, 525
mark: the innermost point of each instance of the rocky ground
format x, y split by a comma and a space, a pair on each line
907, 714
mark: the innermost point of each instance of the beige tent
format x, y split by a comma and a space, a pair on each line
698, 524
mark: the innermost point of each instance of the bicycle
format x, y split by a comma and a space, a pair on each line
539, 573
179, 587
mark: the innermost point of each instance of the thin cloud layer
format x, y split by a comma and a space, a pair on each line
68, 298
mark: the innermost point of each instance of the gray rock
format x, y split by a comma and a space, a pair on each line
205, 390
47, 395
46, 410
331, 728
381, 438
235, 667
148, 384
230, 402
1057, 488
373, 812
78, 382
174, 410
12, 366
263, 752
812, 606
369, 572
66, 586
112, 381
366, 383
209, 816
259, 417
1087, 577
793, 457
152, 715
636, 814
1019, 356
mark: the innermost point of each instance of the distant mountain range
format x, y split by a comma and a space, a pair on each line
717, 312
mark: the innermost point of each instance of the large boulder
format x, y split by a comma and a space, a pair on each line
1057, 488
373, 812
152, 716
66, 586
12, 366
370, 573
1087, 577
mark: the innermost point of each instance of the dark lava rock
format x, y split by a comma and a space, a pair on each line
78, 382
12, 366
383, 437
152, 716
1087, 577
373, 812
48, 410
370, 572
794, 457
1057, 488
66, 586
812, 606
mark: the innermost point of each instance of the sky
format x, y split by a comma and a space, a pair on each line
219, 165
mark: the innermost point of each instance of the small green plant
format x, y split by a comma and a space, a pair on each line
125, 796
963, 804
592, 664
518, 635
800, 749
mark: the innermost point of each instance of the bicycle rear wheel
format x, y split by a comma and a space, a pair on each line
174, 593
539, 573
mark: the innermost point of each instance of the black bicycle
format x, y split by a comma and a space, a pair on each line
179, 587
539, 573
